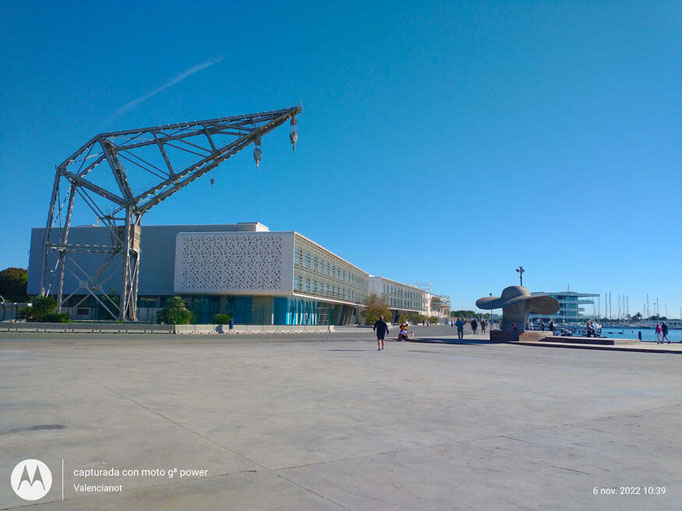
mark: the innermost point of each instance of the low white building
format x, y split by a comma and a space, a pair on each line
400, 298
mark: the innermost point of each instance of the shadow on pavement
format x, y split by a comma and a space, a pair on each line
440, 340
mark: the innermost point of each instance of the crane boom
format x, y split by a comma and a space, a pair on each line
120, 176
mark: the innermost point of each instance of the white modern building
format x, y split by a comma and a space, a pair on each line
243, 269
400, 298
571, 307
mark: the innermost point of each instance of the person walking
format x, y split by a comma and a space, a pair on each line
460, 328
515, 331
664, 333
658, 333
542, 325
483, 324
381, 328
474, 325
551, 326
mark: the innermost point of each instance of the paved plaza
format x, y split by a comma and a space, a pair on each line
280, 424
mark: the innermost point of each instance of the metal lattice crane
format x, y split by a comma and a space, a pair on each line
120, 176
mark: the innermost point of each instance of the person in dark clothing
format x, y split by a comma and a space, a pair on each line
381, 328
664, 332
474, 325
460, 328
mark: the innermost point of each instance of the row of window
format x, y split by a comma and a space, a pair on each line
388, 289
399, 303
327, 268
321, 288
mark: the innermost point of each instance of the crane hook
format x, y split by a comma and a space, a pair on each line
257, 153
293, 136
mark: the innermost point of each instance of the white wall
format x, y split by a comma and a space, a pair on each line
246, 263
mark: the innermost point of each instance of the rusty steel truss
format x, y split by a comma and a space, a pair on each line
120, 176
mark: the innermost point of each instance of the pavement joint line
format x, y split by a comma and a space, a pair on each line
313, 492
478, 439
560, 468
265, 469
233, 451
374, 498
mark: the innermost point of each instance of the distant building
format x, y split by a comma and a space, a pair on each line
570, 307
439, 305
400, 298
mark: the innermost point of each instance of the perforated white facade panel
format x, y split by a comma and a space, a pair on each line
249, 263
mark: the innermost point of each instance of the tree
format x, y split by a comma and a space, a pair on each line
376, 307
464, 314
433, 320
13, 283
44, 310
222, 319
175, 313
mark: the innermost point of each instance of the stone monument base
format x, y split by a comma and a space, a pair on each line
527, 336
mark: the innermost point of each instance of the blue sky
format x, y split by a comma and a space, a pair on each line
439, 141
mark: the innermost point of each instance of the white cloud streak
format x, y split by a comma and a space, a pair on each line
173, 81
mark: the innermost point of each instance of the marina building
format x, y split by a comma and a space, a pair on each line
243, 269
571, 307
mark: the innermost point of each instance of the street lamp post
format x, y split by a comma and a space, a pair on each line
520, 271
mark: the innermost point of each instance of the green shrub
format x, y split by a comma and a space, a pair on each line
28, 314
175, 313
56, 317
222, 319
44, 308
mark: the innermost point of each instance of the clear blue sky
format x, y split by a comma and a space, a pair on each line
440, 141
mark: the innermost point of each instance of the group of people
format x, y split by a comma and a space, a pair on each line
381, 329
591, 329
662, 333
541, 325
483, 324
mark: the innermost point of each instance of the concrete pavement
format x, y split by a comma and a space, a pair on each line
333, 424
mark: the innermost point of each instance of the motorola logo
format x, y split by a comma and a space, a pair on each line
31, 479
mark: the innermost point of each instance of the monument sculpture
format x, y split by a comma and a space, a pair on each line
516, 303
